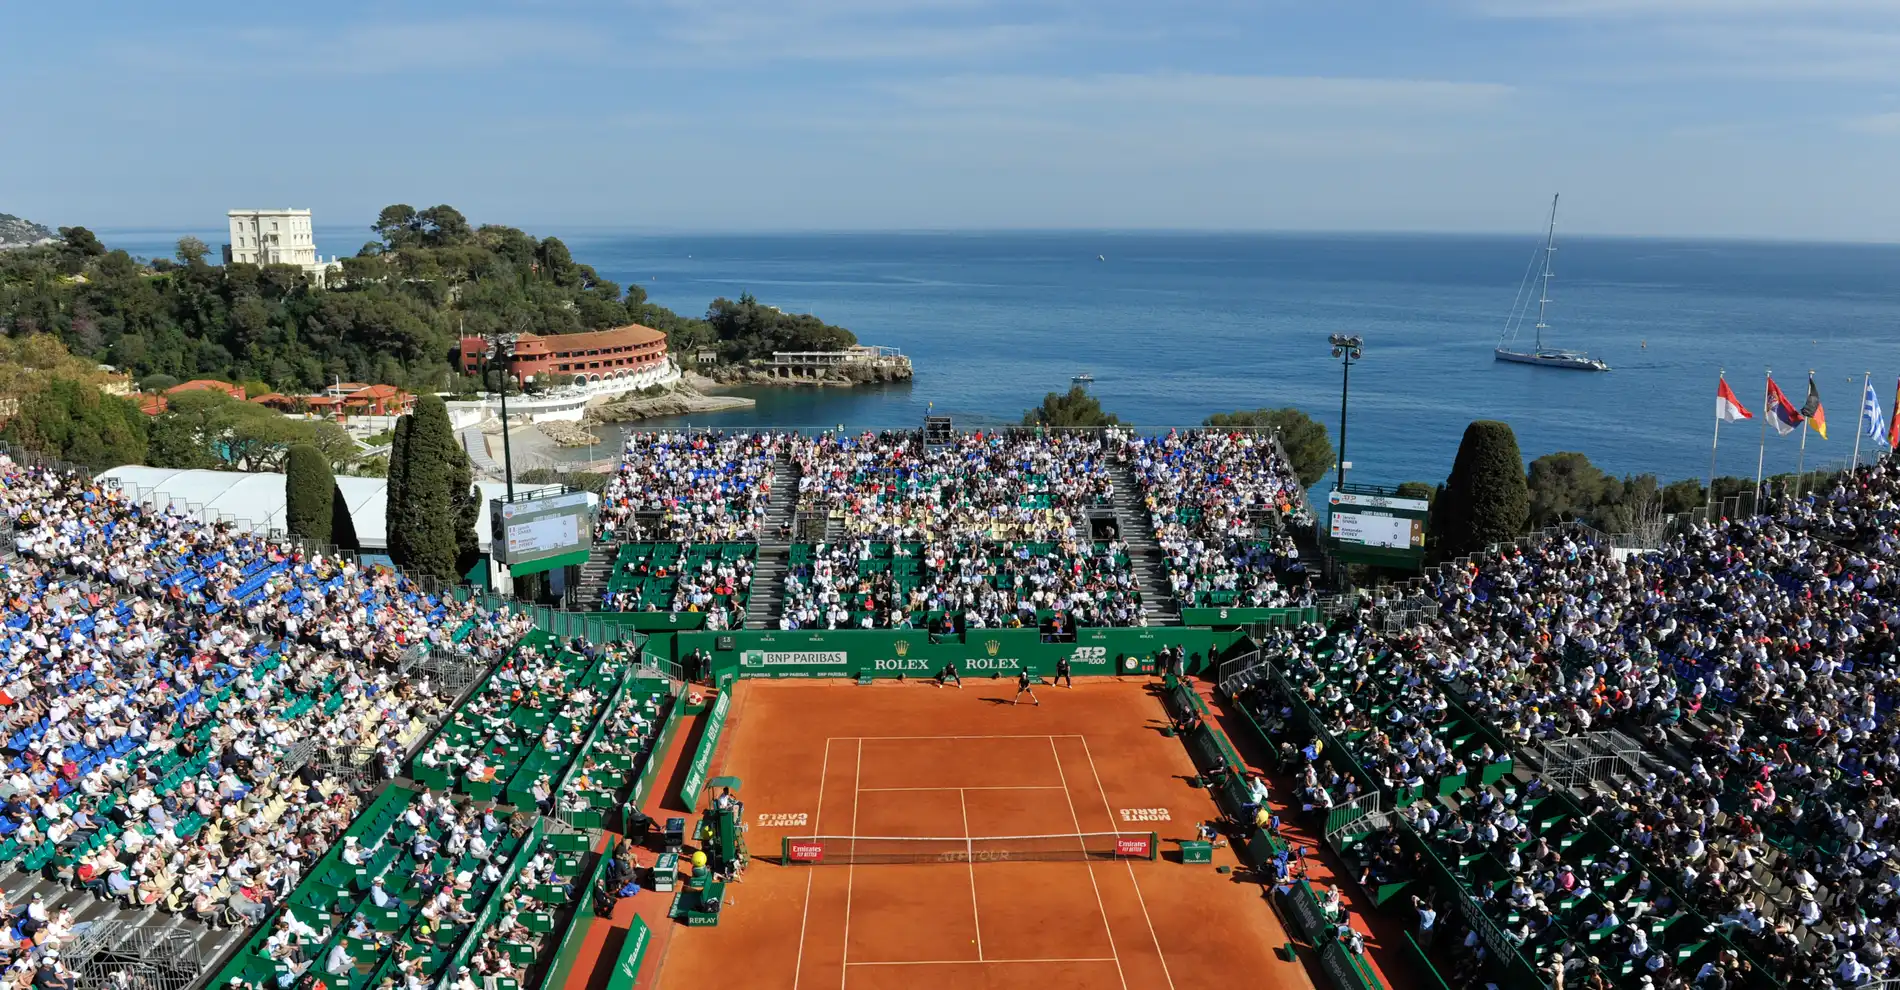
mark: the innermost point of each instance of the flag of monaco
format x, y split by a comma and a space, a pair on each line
1728, 408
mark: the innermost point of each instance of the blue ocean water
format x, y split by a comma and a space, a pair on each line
1177, 326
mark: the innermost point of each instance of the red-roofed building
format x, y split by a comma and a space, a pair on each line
601, 354
379, 400
208, 385
280, 402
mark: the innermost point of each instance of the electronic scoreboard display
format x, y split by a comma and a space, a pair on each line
1372, 526
532, 530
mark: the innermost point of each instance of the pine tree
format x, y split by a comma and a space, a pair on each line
428, 517
309, 493
1485, 500
395, 510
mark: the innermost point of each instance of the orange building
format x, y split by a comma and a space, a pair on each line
618, 353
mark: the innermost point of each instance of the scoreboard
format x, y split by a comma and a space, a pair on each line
542, 532
1369, 525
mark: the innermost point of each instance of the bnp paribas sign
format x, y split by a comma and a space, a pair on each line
774, 660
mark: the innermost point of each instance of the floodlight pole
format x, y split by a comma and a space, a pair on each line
503, 346
1347, 348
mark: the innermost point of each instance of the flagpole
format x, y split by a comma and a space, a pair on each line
1717, 442
1866, 384
1801, 459
1761, 452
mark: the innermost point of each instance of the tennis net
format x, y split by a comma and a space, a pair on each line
852, 850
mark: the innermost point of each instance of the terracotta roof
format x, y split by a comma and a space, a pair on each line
377, 392
205, 385
276, 398
152, 405
630, 335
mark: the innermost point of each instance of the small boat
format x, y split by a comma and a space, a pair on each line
1101, 257
1083, 379
1548, 357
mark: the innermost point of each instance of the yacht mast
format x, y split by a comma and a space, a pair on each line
1550, 248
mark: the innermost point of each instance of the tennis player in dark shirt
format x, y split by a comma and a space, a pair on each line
1022, 688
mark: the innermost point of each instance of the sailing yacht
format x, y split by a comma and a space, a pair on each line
1549, 357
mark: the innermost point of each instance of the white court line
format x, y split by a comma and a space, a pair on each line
817, 817
1099, 906
984, 962
969, 859
1107, 809
998, 787
851, 871
1039, 735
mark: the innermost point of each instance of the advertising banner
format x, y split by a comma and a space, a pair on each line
1140, 846
804, 850
702, 757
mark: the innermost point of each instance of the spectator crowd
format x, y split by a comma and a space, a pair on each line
1225, 505
691, 487
192, 715
1752, 663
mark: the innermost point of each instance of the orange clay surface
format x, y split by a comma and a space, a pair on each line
912, 759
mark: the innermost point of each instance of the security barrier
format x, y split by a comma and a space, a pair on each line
1218, 617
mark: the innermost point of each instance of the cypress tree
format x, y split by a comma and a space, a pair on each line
342, 527
309, 493
466, 500
428, 522
394, 511
1486, 499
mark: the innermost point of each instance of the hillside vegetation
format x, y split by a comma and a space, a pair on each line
393, 315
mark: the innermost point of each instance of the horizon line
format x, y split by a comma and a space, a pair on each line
925, 231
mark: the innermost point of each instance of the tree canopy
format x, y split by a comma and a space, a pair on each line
74, 421
750, 329
1076, 408
211, 429
1303, 437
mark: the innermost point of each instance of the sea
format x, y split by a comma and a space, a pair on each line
1175, 327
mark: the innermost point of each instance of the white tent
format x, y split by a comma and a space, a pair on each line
255, 502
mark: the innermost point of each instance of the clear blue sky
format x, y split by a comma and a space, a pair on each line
1749, 118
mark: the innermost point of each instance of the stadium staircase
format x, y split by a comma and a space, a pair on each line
475, 443
1138, 531
768, 571
594, 576
165, 951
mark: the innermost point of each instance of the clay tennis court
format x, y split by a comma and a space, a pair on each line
912, 760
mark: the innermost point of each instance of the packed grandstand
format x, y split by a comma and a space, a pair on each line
207, 723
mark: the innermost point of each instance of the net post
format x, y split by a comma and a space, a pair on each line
1154, 846
785, 850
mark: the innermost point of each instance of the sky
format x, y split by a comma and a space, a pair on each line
1773, 119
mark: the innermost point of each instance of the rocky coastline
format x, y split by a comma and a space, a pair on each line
683, 399
843, 376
